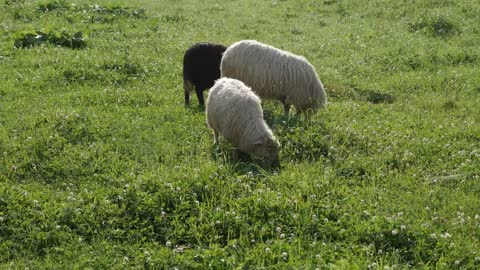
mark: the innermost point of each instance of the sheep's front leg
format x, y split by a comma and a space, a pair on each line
299, 111
307, 112
286, 109
235, 154
215, 137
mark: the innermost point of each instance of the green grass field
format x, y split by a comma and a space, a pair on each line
102, 166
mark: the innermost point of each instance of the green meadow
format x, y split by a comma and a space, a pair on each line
103, 167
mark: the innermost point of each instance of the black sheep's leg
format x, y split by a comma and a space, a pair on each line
201, 100
187, 88
187, 99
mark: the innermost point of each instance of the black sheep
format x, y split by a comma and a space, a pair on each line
201, 67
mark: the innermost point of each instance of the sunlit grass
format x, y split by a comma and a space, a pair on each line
102, 167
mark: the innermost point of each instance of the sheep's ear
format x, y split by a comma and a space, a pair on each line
259, 141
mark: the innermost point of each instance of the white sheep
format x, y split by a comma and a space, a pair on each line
275, 74
234, 111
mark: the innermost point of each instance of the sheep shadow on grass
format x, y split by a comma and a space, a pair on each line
274, 119
242, 163
301, 139
195, 109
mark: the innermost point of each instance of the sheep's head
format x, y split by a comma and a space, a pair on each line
268, 149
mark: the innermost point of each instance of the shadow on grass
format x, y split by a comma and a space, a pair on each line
244, 163
301, 139
343, 91
195, 109
279, 122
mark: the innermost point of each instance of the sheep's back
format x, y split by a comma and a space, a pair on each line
271, 72
201, 63
233, 109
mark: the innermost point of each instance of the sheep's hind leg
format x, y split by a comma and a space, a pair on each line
305, 111
187, 88
201, 100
